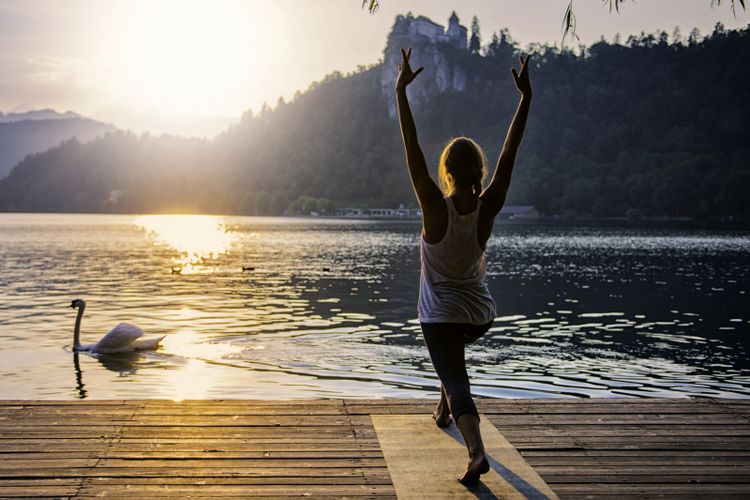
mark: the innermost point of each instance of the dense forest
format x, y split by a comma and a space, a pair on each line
37, 131
655, 125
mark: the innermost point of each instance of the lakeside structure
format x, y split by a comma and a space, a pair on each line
551, 448
380, 213
510, 212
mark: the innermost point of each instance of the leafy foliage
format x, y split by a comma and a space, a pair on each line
475, 41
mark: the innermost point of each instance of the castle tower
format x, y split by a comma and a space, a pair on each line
457, 34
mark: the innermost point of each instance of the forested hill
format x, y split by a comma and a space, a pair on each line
655, 125
36, 131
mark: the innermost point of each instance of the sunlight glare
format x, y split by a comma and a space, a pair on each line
197, 237
192, 345
185, 57
195, 379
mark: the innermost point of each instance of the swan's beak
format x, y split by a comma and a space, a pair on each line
73, 304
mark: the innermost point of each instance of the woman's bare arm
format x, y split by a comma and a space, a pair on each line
428, 194
494, 196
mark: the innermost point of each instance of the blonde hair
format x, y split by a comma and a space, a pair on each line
462, 163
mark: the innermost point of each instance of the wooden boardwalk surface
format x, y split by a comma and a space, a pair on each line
148, 448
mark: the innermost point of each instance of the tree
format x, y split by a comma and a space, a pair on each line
695, 37
677, 36
502, 45
475, 41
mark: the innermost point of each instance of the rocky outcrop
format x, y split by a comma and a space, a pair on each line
432, 47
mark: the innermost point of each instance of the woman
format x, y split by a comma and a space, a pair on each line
455, 305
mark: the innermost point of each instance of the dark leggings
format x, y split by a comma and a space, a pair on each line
445, 342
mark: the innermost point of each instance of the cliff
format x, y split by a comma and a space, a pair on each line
440, 51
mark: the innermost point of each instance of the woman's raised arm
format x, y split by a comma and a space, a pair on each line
494, 196
428, 194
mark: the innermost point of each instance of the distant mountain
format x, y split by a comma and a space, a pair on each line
40, 114
32, 132
653, 126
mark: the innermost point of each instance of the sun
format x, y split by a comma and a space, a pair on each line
191, 57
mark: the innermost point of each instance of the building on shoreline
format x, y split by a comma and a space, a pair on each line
519, 212
376, 213
510, 212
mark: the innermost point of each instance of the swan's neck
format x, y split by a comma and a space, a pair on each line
77, 331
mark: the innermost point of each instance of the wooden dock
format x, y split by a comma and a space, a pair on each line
147, 448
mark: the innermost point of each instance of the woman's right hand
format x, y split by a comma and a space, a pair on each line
405, 74
522, 79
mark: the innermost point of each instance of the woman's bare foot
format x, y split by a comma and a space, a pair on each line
477, 466
442, 416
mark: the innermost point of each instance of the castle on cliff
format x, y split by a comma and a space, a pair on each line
438, 49
455, 35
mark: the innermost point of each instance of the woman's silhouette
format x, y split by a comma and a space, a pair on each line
455, 306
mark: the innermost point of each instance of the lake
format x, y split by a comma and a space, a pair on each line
327, 309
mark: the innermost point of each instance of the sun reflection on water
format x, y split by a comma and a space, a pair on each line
195, 378
198, 238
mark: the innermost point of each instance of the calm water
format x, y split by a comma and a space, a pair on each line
329, 309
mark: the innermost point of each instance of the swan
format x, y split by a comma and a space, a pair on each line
122, 338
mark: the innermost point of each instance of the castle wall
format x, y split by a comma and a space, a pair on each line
427, 29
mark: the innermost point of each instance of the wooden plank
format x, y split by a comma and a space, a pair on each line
634, 453
72, 472
624, 430
620, 419
189, 421
266, 462
70, 402
592, 462
29, 491
169, 402
194, 455
641, 490
639, 470
424, 461
147, 491
648, 445
372, 478
43, 482
185, 420
209, 446
8, 463
667, 478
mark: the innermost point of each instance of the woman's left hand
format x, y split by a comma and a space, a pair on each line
522, 79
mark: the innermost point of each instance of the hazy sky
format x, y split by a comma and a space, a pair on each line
193, 66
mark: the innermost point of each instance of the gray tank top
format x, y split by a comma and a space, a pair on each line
453, 280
